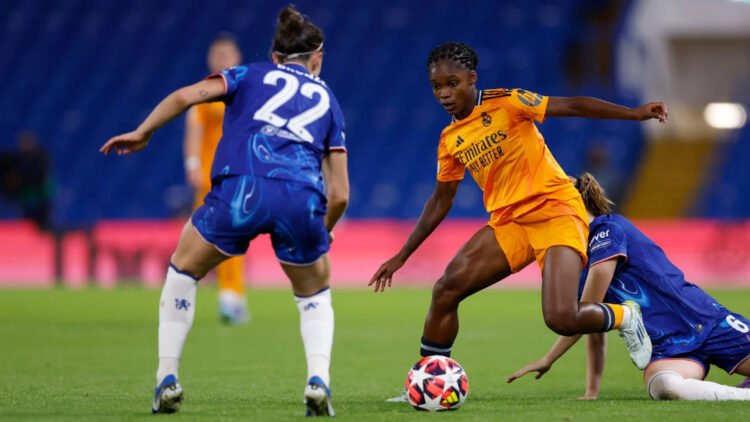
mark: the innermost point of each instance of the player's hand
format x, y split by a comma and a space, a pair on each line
197, 181
126, 143
384, 275
540, 367
589, 396
657, 110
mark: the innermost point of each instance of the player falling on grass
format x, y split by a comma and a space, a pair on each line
202, 135
535, 211
280, 168
689, 329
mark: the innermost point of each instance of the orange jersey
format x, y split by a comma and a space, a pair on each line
506, 155
210, 117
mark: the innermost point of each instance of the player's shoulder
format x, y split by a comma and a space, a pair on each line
609, 225
494, 95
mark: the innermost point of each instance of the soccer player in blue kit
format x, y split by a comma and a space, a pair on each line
689, 329
280, 168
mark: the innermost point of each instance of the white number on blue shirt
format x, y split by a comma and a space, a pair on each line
296, 124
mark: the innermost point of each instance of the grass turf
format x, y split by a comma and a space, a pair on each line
67, 355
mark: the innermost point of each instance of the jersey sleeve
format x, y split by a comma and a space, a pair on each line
606, 242
449, 169
232, 78
336, 140
527, 105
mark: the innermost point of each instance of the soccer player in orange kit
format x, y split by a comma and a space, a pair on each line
536, 213
203, 130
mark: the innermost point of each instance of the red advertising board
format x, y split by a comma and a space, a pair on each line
710, 253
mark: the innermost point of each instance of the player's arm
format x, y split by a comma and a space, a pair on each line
595, 108
435, 210
170, 107
597, 282
594, 290
336, 175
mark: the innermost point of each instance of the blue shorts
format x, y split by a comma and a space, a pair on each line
239, 208
727, 346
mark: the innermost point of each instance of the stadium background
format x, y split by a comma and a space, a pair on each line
79, 71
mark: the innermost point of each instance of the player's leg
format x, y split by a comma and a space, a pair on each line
559, 237
563, 313
744, 369
230, 277
480, 263
313, 297
682, 379
192, 259
301, 243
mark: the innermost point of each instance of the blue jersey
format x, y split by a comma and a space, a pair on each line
279, 122
678, 315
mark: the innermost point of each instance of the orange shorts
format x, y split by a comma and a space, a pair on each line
552, 223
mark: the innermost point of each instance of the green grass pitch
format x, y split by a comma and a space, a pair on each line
91, 354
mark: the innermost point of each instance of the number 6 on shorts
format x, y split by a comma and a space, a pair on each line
737, 324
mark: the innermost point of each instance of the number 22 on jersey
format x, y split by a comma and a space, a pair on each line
296, 124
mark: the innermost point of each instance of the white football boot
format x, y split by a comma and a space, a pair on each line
636, 338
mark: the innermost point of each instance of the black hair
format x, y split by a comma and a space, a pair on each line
295, 34
594, 198
227, 37
456, 51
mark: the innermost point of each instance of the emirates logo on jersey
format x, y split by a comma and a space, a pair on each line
486, 119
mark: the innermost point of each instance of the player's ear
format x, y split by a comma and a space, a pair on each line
275, 58
315, 64
473, 77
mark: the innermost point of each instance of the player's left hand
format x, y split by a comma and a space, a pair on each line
657, 110
126, 143
541, 367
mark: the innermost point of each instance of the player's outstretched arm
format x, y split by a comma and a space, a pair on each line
170, 107
595, 108
336, 175
541, 366
596, 356
435, 210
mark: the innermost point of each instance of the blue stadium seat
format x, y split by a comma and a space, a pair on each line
84, 70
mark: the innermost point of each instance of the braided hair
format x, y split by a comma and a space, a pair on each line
455, 51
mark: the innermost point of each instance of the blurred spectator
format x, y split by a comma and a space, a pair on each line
608, 176
25, 179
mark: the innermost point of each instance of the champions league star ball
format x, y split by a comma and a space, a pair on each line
437, 383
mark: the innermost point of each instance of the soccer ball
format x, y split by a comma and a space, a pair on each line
437, 383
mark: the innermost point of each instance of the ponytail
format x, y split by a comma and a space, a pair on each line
593, 195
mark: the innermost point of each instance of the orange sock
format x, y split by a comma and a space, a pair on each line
230, 275
619, 312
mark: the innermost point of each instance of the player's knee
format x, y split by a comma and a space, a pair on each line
562, 323
445, 292
664, 385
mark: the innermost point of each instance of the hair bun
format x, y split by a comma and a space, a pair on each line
290, 19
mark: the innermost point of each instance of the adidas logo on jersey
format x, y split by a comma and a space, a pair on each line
459, 141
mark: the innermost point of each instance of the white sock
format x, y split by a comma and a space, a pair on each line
176, 313
668, 385
316, 325
626, 316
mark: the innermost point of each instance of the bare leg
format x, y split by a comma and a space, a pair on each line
480, 263
563, 313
